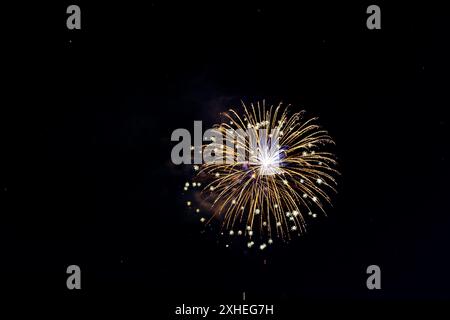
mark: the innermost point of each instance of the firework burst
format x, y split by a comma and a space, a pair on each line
272, 173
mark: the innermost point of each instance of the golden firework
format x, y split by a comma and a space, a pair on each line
271, 172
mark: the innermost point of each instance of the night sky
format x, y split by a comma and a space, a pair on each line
87, 179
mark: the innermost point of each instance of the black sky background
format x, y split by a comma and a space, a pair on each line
87, 178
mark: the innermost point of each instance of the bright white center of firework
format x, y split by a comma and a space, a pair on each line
269, 161
265, 152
